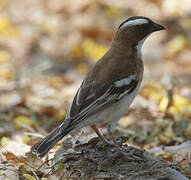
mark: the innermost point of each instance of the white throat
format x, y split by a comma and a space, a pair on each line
139, 47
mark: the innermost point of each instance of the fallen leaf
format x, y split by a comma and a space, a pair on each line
29, 177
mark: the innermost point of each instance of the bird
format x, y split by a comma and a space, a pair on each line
109, 87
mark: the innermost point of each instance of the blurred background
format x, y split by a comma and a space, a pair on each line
48, 46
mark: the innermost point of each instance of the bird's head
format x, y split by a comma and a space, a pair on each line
135, 29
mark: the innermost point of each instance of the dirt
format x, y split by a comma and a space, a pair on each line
95, 160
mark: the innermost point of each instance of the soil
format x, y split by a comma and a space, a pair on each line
95, 160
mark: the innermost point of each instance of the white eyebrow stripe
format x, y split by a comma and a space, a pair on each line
135, 22
125, 81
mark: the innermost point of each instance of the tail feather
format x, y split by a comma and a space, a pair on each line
44, 145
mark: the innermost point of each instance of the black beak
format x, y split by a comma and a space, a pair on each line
157, 27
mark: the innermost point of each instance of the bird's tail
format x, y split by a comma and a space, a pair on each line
44, 145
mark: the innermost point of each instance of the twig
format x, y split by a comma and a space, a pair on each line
170, 100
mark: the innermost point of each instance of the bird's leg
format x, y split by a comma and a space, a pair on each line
101, 137
129, 155
115, 143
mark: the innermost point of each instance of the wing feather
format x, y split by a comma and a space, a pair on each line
92, 97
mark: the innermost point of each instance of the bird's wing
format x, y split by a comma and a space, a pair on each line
94, 97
